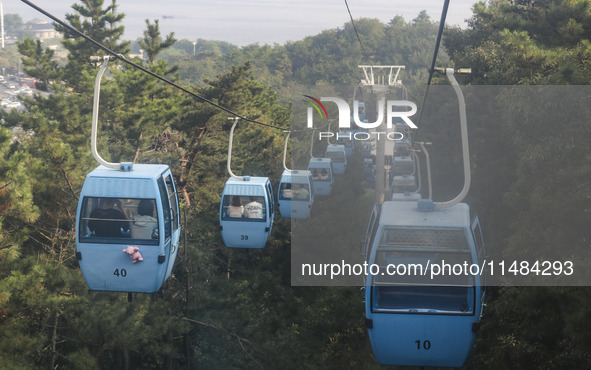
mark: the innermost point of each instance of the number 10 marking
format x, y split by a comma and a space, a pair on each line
426, 344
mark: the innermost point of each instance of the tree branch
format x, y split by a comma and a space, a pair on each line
240, 340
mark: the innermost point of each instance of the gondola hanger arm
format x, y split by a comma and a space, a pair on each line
124, 166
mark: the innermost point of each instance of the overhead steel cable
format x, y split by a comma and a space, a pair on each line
432, 69
355, 29
163, 79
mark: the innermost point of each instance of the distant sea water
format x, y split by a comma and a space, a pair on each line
245, 22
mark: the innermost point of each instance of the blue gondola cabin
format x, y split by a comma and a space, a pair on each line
134, 211
414, 320
247, 212
296, 194
403, 184
345, 138
338, 156
365, 149
402, 166
321, 171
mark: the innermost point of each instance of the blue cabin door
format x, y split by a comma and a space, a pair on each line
371, 232
170, 213
481, 255
477, 234
271, 206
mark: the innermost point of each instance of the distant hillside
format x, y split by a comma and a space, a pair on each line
331, 56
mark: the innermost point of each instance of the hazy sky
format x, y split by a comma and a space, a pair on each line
247, 22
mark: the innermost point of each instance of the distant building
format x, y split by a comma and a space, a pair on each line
42, 29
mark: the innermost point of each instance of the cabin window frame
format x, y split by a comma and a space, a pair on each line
93, 202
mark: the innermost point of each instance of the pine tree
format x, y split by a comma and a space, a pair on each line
102, 24
152, 42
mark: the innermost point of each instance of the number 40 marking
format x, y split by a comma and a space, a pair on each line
122, 273
426, 344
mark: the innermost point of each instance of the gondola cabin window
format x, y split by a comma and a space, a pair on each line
289, 191
419, 248
119, 220
337, 157
320, 174
244, 208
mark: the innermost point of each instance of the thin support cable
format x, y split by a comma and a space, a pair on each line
355, 29
432, 69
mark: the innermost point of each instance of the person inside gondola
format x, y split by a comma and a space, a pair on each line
324, 175
108, 220
315, 174
235, 209
143, 225
254, 209
301, 192
287, 191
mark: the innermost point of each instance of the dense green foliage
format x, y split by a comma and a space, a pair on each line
236, 308
331, 57
532, 171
